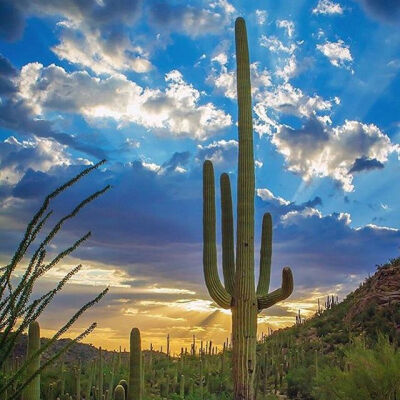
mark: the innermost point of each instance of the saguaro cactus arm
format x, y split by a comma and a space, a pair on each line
265, 256
228, 250
213, 283
279, 294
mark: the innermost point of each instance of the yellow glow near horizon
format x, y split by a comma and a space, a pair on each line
160, 309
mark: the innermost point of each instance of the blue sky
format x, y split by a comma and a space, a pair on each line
150, 86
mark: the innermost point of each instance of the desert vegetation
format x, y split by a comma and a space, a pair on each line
347, 350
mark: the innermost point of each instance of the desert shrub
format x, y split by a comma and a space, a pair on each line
366, 373
298, 382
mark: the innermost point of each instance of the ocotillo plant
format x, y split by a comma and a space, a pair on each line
17, 308
32, 391
239, 293
135, 389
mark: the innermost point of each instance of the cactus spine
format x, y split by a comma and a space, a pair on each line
32, 391
135, 367
239, 293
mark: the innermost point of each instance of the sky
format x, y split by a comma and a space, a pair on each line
150, 86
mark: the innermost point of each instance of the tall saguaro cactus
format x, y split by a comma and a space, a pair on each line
32, 390
238, 292
135, 389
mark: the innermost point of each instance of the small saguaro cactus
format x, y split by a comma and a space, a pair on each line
135, 389
124, 384
32, 390
239, 292
182, 387
119, 393
78, 381
100, 376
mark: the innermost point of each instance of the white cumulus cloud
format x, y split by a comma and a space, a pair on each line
174, 110
327, 7
338, 53
261, 16
319, 150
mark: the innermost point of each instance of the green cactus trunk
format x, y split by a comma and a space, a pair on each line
239, 292
135, 390
32, 391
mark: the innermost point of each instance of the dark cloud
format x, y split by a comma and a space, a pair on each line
277, 208
92, 12
222, 153
383, 10
186, 19
327, 249
33, 184
150, 225
7, 71
365, 164
17, 116
321, 150
177, 160
317, 201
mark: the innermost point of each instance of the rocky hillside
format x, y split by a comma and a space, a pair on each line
371, 309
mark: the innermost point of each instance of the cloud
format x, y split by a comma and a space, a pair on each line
189, 20
279, 207
313, 243
35, 154
18, 116
273, 44
92, 12
364, 164
173, 111
222, 153
338, 53
7, 73
387, 11
177, 163
103, 55
289, 70
319, 150
287, 25
93, 34
261, 16
285, 99
266, 195
328, 7
147, 236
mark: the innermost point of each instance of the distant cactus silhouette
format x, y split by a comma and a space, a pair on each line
239, 293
